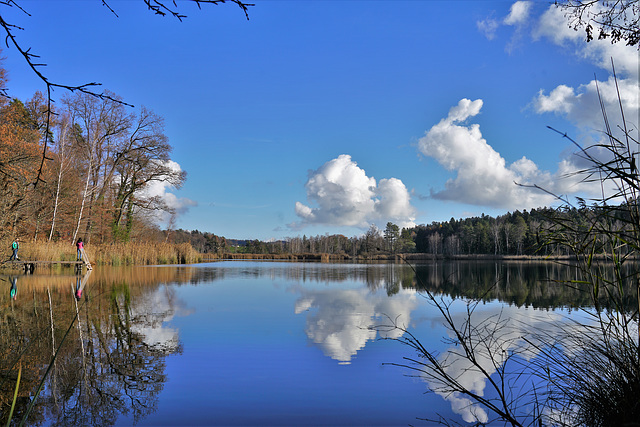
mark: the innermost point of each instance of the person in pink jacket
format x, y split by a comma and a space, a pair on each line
80, 246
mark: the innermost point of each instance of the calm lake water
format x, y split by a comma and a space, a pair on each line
251, 343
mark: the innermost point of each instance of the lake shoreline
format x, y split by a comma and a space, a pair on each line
139, 253
326, 257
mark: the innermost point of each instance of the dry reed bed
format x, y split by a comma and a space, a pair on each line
130, 253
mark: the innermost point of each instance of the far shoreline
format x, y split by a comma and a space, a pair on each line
327, 258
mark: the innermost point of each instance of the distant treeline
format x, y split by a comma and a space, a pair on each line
521, 233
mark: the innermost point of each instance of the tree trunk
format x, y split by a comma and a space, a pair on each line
84, 198
61, 153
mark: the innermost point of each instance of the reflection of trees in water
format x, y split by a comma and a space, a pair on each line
531, 284
112, 361
539, 285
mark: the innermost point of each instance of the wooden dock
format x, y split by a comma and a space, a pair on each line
29, 266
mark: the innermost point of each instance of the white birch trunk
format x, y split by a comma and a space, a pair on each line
61, 153
84, 198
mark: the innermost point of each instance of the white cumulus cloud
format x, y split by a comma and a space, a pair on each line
518, 17
161, 190
346, 196
483, 176
581, 105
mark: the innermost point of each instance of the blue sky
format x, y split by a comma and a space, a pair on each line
317, 117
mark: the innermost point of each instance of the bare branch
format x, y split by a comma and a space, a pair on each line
159, 7
618, 20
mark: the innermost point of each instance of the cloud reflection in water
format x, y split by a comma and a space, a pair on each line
509, 325
341, 322
151, 312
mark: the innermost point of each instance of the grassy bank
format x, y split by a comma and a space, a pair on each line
131, 253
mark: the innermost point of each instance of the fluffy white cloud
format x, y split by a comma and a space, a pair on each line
160, 190
581, 105
553, 25
483, 177
346, 196
394, 202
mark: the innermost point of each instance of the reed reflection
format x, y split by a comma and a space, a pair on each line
105, 354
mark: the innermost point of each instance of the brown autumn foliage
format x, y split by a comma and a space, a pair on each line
19, 154
100, 157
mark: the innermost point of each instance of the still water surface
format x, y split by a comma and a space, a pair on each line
249, 343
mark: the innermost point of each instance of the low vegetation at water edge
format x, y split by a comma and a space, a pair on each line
130, 253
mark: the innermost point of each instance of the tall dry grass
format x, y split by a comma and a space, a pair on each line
130, 253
